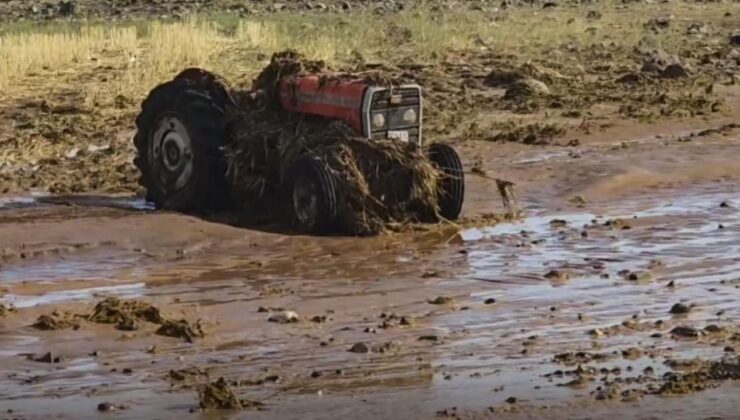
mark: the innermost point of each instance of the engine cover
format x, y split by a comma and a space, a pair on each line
374, 112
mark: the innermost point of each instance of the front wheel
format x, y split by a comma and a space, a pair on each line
451, 185
312, 195
180, 131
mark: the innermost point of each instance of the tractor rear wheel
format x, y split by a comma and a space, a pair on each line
180, 134
451, 186
312, 195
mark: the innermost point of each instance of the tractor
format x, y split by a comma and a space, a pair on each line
183, 132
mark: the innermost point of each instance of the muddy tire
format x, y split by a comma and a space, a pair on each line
312, 197
451, 189
179, 139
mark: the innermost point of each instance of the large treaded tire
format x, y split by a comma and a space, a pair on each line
312, 198
200, 118
451, 189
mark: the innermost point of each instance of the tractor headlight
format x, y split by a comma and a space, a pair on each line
409, 116
379, 120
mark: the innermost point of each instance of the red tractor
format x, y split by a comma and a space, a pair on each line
183, 132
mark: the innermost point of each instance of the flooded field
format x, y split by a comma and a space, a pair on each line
582, 309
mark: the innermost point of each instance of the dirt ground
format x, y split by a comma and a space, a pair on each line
617, 294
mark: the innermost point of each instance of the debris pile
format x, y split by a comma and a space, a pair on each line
377, 182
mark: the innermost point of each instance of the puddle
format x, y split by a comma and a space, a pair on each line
127, 291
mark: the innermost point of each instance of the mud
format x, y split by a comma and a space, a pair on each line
57, 321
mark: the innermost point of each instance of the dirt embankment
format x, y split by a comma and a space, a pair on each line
45, 10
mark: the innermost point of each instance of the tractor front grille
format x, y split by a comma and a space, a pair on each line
400, 111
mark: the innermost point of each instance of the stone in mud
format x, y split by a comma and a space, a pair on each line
674, 71
557, 275
579, 382
47, 358
106, 406
578, 200
610, 392
558, 223
56, 321
629, 79
440, 300
639, 276
632, 353
680, 308
490, 301
286, 317
181, 329
385, 347
596, 332
360, 348
687, 332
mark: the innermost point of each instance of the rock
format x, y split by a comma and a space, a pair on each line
688, 332
285, 317
440, 300
360, 348
557, 275
578, 200
47, 358
735, 39
674, 71
558, 223
490, 301
429, 338
680, 308
596, 332
511, 400
639, 276
724, 205
106, 406
632, 353
714, 329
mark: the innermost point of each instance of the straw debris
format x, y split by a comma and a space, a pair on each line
378, 182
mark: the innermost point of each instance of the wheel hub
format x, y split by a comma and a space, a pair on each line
171, 150
305, 201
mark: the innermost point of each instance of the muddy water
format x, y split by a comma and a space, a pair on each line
469, 354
